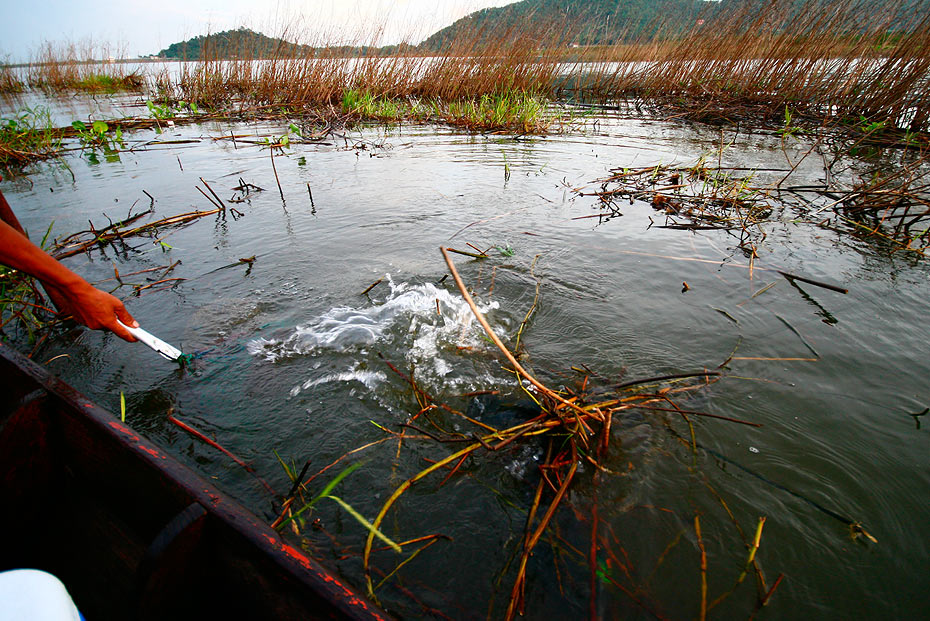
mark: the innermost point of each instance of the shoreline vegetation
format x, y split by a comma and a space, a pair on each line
826, 61
851, 78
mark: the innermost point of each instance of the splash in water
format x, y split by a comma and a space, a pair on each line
427, 324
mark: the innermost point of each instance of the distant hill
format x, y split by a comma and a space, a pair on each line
574, 22
586, 22
583, 22
241, 43
599, 22
245, 43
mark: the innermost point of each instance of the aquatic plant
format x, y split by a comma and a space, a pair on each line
98, 82
25, 311
97, 136
823, 60
166, 111
28, 136
369, 106
742, 60
512, 110
829, 60
885, 205
298, 490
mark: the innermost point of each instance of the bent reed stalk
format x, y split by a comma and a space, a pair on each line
575, 426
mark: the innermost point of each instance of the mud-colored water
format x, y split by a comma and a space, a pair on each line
288, 360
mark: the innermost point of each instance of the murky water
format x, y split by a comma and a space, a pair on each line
291, 360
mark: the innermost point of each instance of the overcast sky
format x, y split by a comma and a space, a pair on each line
137, 27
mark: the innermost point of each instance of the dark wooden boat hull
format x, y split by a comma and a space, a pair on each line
132, 532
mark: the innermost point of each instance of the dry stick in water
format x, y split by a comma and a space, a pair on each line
812, 282
700, 542
468, 254
765, 600
516, 594
214, 444
275, 169
199, 189
366, 556
78, 247
750, 561
286, 507
500, 345
219, 202
372, 286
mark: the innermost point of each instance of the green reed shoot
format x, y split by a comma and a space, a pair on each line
326, 492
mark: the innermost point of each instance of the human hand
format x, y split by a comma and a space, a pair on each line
93, 308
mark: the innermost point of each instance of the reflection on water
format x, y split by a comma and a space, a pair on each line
291, 362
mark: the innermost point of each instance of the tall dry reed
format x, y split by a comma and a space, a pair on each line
823, 59
81, 66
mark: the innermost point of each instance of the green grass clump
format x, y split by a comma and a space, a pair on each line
365, 104
28, 136
104, 83
512, 110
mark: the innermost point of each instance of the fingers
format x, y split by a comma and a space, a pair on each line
122, 332
123, 315
94, 308
99, 310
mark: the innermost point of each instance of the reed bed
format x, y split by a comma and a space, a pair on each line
10, 81
471, 83
85, 66
829, 60
823, 60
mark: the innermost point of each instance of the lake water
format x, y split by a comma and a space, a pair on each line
289, 361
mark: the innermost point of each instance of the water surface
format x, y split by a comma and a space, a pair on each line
291, 360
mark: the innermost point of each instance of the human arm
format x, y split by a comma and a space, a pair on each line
72, 294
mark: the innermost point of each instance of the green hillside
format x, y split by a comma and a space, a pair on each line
583, 22
570, 22
241, 43
599, 22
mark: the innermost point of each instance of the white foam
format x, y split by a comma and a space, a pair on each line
407, 321
370, 379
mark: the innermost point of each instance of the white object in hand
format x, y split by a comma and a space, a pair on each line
167, 351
